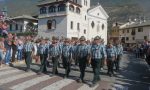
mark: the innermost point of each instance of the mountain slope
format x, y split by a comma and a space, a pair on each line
118, 10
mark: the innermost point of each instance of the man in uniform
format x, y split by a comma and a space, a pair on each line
119, 53
97, 53
43, 51
67, 56
28, 47
82, 54
110, 58
55, 52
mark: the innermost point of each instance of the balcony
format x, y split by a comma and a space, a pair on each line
56, 14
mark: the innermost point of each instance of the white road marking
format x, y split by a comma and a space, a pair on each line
119, 87
58, 85
8, 72
3, 68
30, 83
86, 87
10, 79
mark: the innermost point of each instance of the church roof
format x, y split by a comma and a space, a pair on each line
100, 7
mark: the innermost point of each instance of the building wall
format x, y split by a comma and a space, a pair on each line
60, 29
21, 25
84, 18
139, 36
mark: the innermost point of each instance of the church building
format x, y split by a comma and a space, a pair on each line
71, 19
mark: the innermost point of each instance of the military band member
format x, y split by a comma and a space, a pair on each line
28, 47
67, 56
110, 58
82, 54
119, 53
55, 52
43, 51
97, 53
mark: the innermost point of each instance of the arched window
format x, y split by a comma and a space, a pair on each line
51, 24
52, 9
62, 7
78, 26
43, 10
86, 2
78, 10
71, 8
103, 26
92, 24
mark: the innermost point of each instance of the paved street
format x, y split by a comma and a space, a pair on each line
134, 75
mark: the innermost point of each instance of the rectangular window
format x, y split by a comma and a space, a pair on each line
16, 26
133, 38
78, 26
84, 31
71, 25
145, 37
127, 38
21, 28
140, 29
10, 27
123, 31
128, 31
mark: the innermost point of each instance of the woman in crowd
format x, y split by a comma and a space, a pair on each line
2, 49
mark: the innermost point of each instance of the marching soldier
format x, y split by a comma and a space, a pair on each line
119, 53
82, 54
55, 52
43, 51
67, 56
110, 58
103, 59
97, 54
28, 47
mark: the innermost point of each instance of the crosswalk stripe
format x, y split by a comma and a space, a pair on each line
86, 87
31, 82
10, 75
45, 83
10, 79
72, 86
119, 87
8, 72
58, 85
18, 81
3, 68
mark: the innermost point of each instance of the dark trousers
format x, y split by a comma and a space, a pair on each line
82, 66
43, 58
55, 64
66, 65
96, 69
110, 65
28, 59
13, 54
117, 62
102, 63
